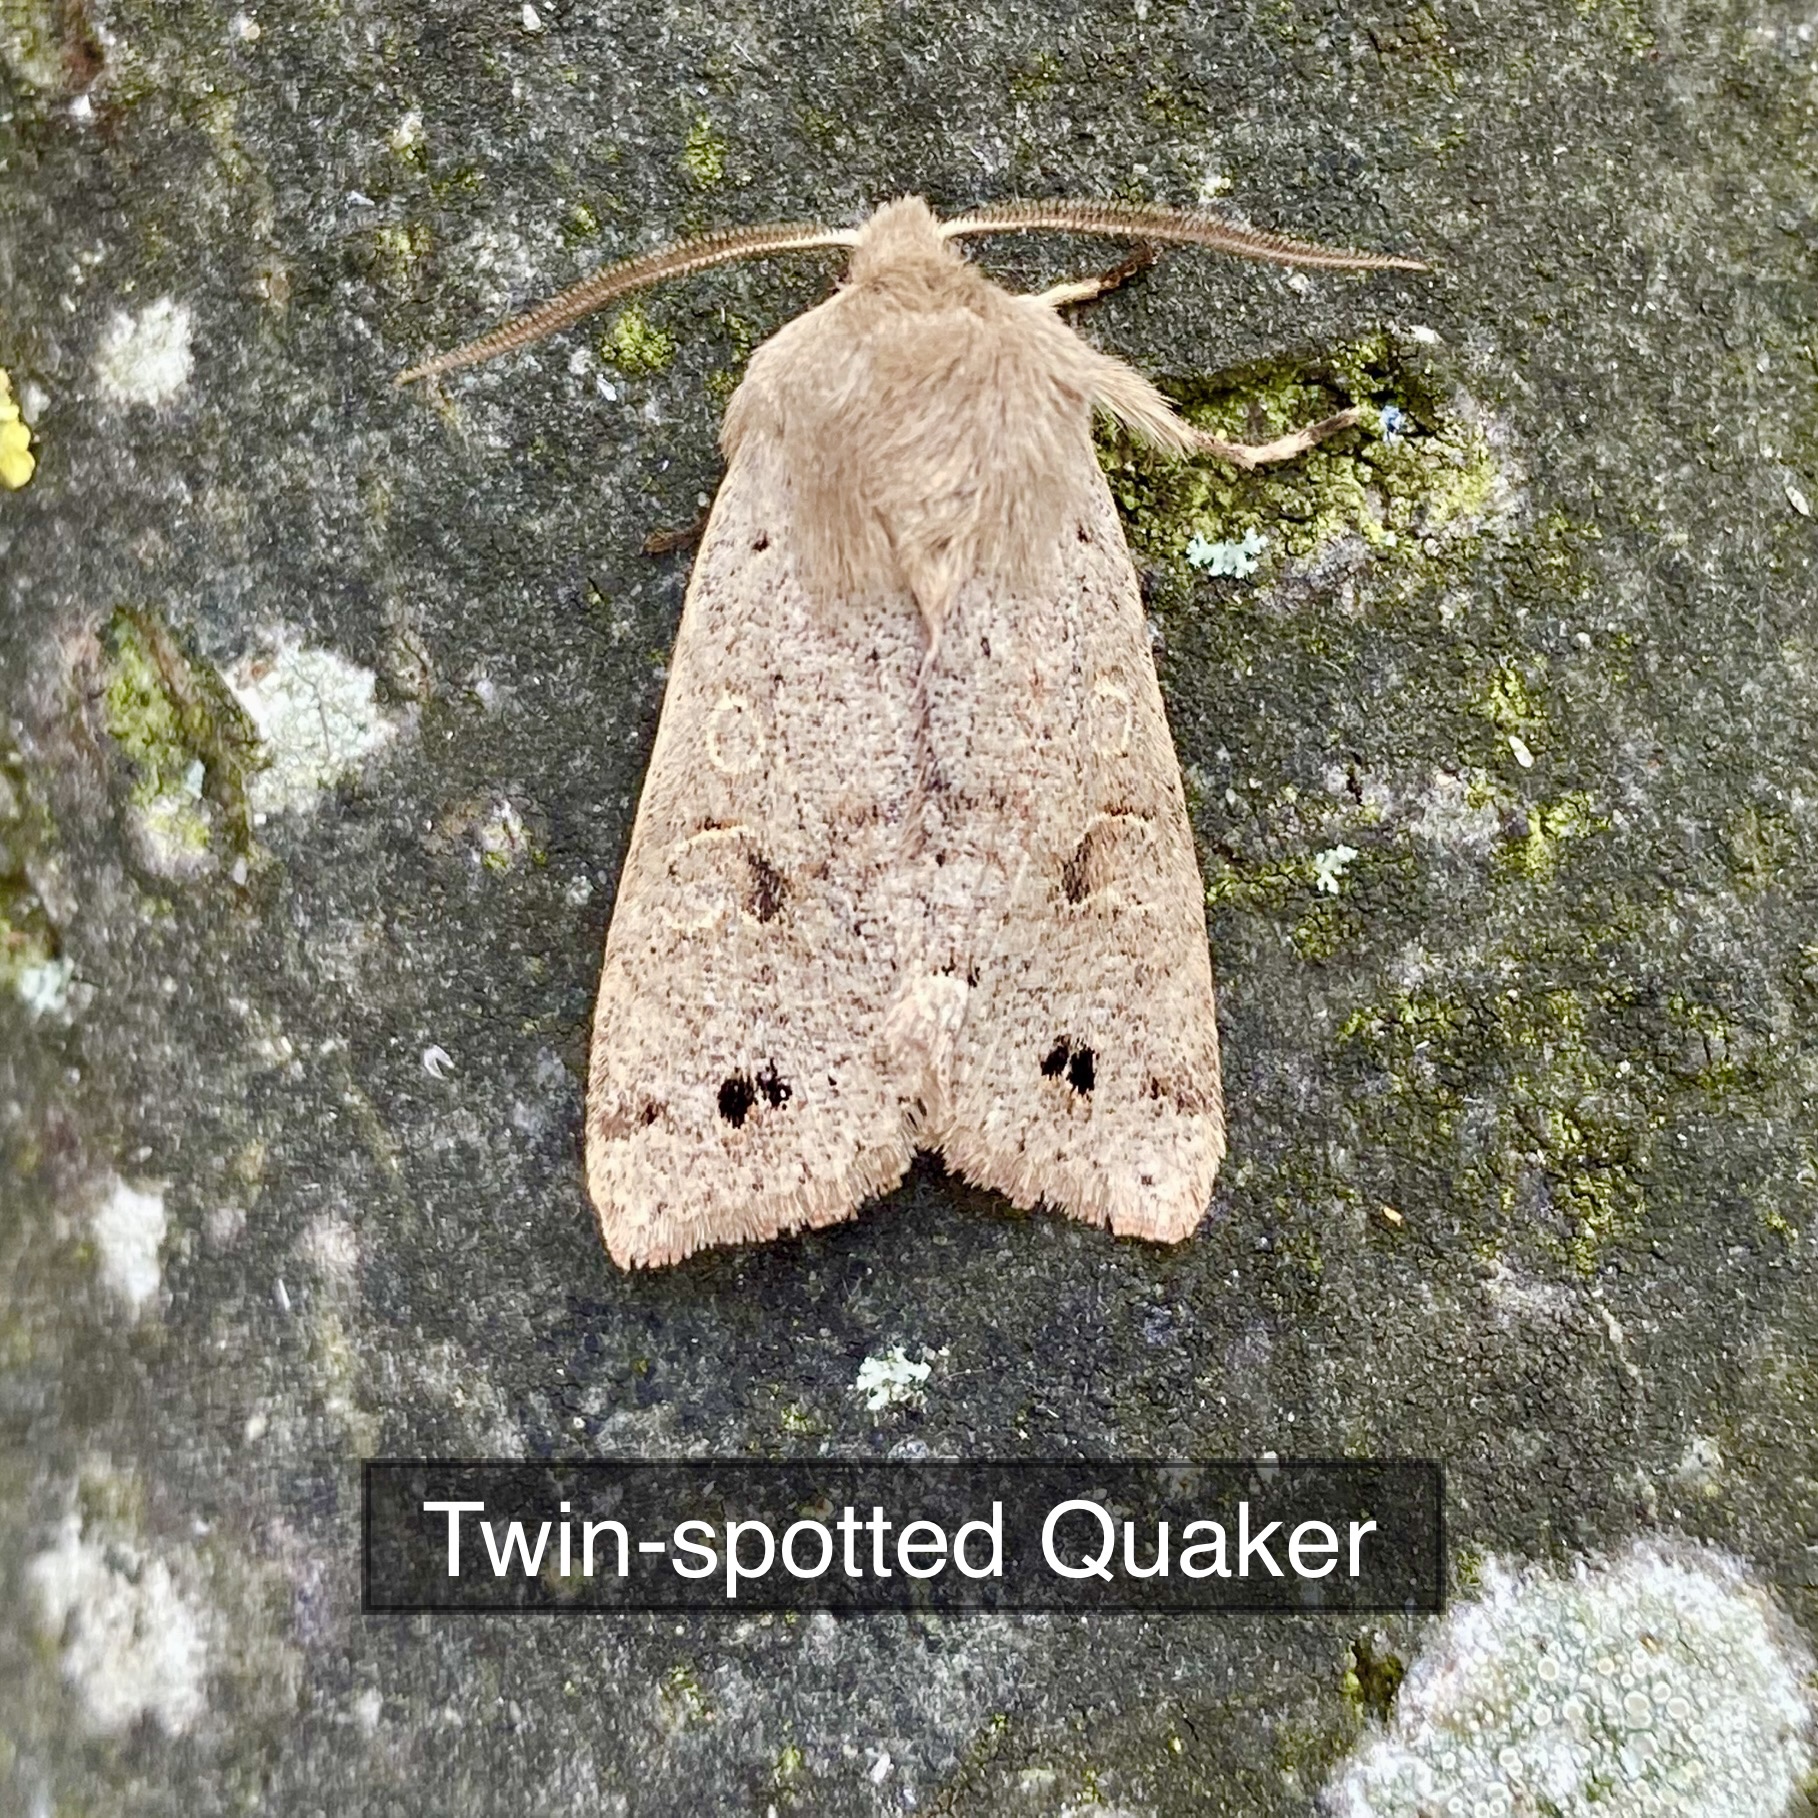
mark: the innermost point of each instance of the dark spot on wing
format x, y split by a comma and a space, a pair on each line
768, 888
1076, 1061
652, 1111
1084, 535
736, 1098
984, 645
774, 1088
1085, 871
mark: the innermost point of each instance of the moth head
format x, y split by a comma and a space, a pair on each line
902, 237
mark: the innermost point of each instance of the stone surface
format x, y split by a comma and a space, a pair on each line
1523, 1163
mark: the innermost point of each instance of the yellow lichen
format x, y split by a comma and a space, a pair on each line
16, 463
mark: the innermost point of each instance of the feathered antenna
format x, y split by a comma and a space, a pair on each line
1117, 220
675, 261
1154, 221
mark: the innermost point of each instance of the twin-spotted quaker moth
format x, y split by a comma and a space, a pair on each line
912, 867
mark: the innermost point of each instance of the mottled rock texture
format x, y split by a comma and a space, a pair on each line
1524, 1167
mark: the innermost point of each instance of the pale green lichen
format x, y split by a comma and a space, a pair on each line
1239, 559
190, 748
704, 153
131, 1636
635, 345
144, 357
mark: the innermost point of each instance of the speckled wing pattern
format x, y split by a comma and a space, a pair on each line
738, 1087
1084, 1072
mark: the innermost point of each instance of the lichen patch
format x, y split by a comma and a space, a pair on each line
144, 357
316, 718
1662, 1681
892, 1379
132, 1643
17, 464
128, 1225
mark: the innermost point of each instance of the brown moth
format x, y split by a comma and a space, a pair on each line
912, 867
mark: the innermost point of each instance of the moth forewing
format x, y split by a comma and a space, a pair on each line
912, 865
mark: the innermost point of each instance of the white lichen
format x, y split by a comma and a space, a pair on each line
1238, 559
145, 358
128, 1226
1329, 868
1659, 1684
44, 987
891, 1380
132, 1644
315, 713
500, 836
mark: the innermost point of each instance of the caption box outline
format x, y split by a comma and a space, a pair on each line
1433, 1469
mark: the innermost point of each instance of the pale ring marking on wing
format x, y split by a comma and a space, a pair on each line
1110, 714
735, 722
1121, 827
701, 894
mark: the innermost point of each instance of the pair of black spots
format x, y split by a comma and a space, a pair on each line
739, 1091
912, 867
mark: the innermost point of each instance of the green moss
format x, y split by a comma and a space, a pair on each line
1268, 884
1550, 824
1509, 700
723, 381
684, 1701
1762, 847
1373, 1676
635, 345
581, 224
185, 738
1411, 496
1325, 932
1555, 1114
1038, 75
704, 153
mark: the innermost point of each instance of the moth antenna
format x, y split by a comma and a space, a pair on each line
1155, 221
674, 261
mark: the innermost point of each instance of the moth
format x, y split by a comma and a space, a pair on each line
912, 868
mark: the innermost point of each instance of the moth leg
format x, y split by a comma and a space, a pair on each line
1250, 455
1088, 290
